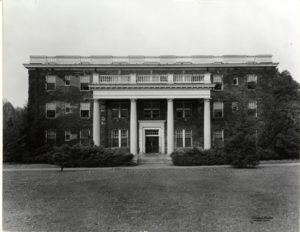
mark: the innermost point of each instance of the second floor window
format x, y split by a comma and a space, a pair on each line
50, 83
85, 110
50, 110
218, 80
235, 81
119, 138
68, 108
218, 109
252, 108
151, 110
67, 80
251, 81
184, 109
84, 83
119, 110
183, 138
234, 106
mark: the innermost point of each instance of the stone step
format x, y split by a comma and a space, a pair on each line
153, 160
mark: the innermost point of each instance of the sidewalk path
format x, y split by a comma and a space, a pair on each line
22, 168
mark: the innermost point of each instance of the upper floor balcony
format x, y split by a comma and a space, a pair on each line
138, 79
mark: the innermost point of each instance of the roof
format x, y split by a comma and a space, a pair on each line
163, 60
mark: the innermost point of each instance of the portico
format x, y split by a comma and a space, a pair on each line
140, 131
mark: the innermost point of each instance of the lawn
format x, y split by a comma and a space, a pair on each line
160, 199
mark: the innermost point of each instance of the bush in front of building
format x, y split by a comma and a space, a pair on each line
197, 157
242, 151
86, 156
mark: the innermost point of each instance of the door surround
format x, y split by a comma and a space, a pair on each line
151, 125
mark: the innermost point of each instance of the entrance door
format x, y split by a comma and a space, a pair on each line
152, 141
152, 144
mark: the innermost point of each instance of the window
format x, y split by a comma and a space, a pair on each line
67, 80
183, 138
151, 110
218, 137
85, 110
51, 136
85, 136
84, 83
218, 80
68, 108
218, 109
235, 81
119, 138
50, 110
68, 135
119, 110
251, 81
184, 109
50, 83
234, 106
252, 108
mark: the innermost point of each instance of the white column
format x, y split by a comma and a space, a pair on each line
207, 136
133, 127
170, 127
96, 123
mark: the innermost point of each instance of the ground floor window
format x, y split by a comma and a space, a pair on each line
85, 135
119, 138
51, 136
183, 138
218, 137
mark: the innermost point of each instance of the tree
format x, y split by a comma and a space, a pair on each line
281, 131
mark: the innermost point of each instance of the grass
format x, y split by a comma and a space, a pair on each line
175, 199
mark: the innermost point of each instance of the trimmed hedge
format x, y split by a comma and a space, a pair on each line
85, 156
197, 157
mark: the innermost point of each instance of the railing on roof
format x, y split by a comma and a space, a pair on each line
152, 79
144, 60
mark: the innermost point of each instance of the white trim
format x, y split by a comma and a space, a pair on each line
151, 125
151, 93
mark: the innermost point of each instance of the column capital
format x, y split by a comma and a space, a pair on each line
133, 99
170, 99
206, 99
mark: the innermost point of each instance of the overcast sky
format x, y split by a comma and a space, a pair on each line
145, 27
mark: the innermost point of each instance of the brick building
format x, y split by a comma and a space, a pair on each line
150, 105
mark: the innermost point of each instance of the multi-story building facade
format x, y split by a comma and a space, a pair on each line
150, 105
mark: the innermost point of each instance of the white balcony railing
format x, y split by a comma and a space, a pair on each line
152, 79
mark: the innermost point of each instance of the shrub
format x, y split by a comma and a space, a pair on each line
196, 156
241, 150
86, 156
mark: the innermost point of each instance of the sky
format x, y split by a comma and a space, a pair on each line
145, 27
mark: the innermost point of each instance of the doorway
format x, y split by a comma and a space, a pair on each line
152, 141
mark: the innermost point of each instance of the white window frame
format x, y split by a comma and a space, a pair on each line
84, 79
68, 78
68, 105
237, 81
255, 108
46, 108
83, 108
119, 138
215, 82
252, 78
46, 135
214, 103
80, 134
183, 132
222, 133
49, 79
68, 132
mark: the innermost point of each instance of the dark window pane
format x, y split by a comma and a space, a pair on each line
218, 142
179, 114
115, 113
155, 114
218, 113
84, 86
124, 142
115, 142
50, 113
147, 114
218, 86
84, 113
251, 85
188, 142
124, 113
50, 86
188, 113
179, 142
251, 112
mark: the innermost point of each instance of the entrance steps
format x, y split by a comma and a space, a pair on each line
158, 159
